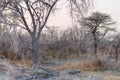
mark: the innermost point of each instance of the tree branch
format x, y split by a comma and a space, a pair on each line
50, 10
31, 15
20, 11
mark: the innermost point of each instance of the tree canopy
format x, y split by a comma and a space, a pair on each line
96, 22
32, 15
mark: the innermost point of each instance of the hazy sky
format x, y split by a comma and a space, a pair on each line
61, 17
111, 7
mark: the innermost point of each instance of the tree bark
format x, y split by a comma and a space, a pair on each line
116, 54
35, 51
95, 43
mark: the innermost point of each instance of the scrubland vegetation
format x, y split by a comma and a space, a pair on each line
72, 43
87, 45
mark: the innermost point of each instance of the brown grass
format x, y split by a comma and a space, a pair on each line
87, 65
9, 55
112, 77
26, 62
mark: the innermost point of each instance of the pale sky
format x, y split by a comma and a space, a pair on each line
111, 7
61, 18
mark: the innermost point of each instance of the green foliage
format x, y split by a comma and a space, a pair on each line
97, 20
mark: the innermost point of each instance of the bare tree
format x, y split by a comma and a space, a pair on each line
32, 15
38, 12
95, 23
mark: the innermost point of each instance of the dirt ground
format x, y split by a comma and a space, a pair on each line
83, 75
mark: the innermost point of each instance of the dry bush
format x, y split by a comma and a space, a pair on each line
15, 60
25, 62
66, 66
86, 65
60, 55
93, 65
9, 55
53, 53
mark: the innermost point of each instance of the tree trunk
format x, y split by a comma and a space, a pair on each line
116, 54
35, 55
35, 52
95, 43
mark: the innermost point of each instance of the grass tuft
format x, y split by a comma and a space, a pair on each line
88, 65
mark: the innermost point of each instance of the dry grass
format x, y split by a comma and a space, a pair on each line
9, 55
87, 65
25, 62
67, 66
112, 77
91, 63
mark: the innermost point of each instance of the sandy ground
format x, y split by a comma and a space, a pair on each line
85, 76
98, 75
81, 76
3, 75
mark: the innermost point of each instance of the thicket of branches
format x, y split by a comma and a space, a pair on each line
35, 42
71, 42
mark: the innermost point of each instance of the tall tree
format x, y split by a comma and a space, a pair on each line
96, 22
33, 16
